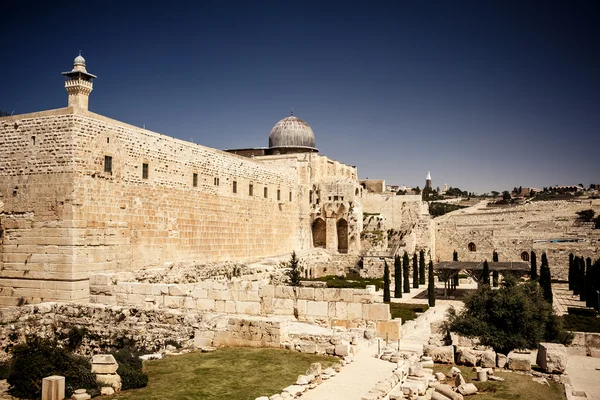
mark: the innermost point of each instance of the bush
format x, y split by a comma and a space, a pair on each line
586, 312
38, 358
5, 369
130, 369
581, 323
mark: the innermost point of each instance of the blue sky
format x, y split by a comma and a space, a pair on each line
485, 95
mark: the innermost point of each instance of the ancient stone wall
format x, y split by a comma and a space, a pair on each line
66, 213
104, 328
543, 226
238, 296
36, 221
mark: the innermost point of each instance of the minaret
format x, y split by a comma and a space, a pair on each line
428, 180
79, 84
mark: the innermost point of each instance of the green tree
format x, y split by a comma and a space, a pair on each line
294, 272
576, 277
455, 256
456, 278
589, 281
415, 272
534, 274
516, 316
571, 271
397, 277
506, 195
545, 279
485, 274
417, 190
405, 269
421, 267
431, 286
4, 114
586, 215
386, 283
581, 273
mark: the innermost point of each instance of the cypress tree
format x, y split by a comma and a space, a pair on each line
405, 268
386, 283
581, 279
545, 279
456, 279
596, 280
571, 272
485, 274
589, 298
422, 267
495, 256
397, 277
576, 279
534, 274
415, 272
431, 286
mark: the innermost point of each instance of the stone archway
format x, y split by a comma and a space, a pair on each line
342, 235
525, 256
319, 233
472, 247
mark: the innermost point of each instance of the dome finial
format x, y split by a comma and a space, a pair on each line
291, 111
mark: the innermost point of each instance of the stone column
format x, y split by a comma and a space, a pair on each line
53, 388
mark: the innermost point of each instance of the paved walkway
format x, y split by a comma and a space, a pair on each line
563, 298
356, 379
585, 375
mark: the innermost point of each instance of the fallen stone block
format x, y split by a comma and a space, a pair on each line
552, 357
517, 362
495, 378
448, 392
302, 380
488, 359
466, 356
500, 360
80, 394
107, 391
438, 396
467, 389
440, 376
442, 354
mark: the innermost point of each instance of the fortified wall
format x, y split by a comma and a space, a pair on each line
84, 193
543, 226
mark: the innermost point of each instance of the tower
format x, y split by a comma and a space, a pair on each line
428, 180
79, 84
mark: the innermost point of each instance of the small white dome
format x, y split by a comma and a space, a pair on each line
79, 60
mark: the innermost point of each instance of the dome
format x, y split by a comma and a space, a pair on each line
292, 132
79, 60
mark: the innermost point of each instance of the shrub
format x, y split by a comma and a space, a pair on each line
586, 312
295, 270
581, 323
130, 369
38, 358
5, 369
407, 311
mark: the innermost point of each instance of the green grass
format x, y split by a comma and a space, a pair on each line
351, 280
229, 373
515, 387
407, 311
581, 323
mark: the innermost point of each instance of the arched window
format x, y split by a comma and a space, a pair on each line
319, 232
310, 199
342, 233
472, 247
525, 256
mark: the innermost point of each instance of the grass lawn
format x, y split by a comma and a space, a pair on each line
229, 373
351, 280
515, 387
407, 311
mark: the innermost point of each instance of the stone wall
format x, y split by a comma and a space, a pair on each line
237, 296
107, 327
64, 217
543, 226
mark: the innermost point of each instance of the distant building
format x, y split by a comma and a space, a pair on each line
428, 180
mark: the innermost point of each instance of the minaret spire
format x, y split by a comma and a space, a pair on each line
79, 83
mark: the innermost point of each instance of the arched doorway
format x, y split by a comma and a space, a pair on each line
525, 256
472, 247
319, 233
342, 234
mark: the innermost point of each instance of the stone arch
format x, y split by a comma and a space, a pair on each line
472, 247
525, 256
356, 192
319, 233
342, 235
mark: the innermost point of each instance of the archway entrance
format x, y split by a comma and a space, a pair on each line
342, 234
319, 233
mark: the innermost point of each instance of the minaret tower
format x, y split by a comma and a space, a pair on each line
428, 180
79, 84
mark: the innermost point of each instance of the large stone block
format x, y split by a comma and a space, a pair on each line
113, 381
442, 354
355, 311
317, 308
376, 312
53, 388
488, 359
247, 307
552, 357
519, 362
467, 356
389, 330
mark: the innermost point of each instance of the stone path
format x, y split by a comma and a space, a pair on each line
356, 379
563, 298
585, 375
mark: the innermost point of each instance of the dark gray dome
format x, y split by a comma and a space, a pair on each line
292, 132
